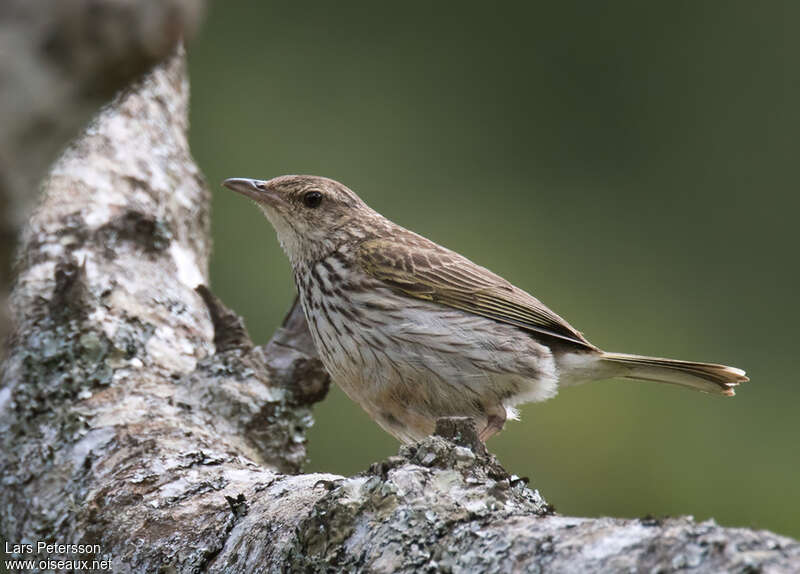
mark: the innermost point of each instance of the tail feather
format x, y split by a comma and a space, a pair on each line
706, 377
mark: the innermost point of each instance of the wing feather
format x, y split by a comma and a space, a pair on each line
422, 269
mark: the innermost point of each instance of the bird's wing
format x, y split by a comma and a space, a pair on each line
422, 269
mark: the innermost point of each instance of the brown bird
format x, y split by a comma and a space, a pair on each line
412, 331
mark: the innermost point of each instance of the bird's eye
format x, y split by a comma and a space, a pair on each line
312, 199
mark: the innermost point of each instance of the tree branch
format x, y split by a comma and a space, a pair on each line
61, 60
136, 413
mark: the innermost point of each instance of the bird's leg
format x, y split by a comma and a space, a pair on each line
495, 420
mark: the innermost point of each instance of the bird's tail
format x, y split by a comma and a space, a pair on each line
706, 377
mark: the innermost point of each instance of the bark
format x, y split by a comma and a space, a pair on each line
62, 60
137, 414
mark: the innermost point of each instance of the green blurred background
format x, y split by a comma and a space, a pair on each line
633, 164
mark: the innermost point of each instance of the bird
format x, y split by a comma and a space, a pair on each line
413, 332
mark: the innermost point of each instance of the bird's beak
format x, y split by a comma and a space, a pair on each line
255, 189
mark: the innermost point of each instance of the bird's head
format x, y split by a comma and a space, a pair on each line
312, 216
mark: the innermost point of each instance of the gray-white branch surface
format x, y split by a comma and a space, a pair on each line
60, 60
137, 415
